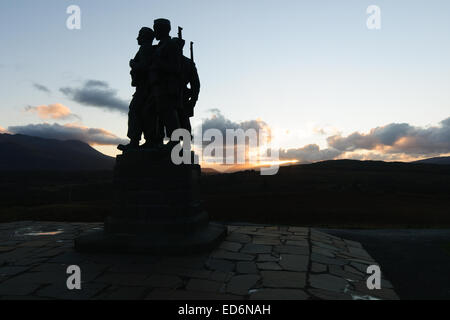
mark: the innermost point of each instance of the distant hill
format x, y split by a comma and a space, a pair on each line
22, 152
255, 167
350, 164
437, 160
336, 193
209, 171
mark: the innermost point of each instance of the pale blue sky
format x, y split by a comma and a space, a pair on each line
295, 64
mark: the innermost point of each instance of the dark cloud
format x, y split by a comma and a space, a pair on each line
375, 156
395, 141
230, 151
219, 122
91, 136
41, 87
398, 138
309, 153
96, 83
96, 93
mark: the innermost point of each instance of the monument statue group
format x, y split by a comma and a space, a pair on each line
157, 207
167, 87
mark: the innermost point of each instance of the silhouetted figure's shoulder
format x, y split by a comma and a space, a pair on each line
190, 72
148, 46
169, 44
147, 50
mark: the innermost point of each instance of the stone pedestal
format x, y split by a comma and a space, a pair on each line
157, 209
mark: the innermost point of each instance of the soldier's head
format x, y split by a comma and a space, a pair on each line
162, 28
145, 35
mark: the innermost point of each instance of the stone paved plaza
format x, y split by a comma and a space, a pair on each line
254, 262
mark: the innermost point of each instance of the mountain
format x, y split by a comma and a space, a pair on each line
209, 171
22, 152
255, 167
437, 160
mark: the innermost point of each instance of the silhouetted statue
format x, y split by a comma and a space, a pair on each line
165, 81
157, 207
190, 94
167, 87
140, 68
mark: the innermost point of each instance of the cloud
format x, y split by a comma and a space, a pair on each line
325, 131
392, 142
96, 93
398, 138
230, 151
309, 153
3, 130
53, 111
41, 87
92, 136
219, 122
376, 156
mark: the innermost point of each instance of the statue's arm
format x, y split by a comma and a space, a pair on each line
135, 61
195, 83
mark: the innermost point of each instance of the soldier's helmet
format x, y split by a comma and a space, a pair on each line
161, 27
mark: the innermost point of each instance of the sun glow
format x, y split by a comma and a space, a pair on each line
246, 166
273, 163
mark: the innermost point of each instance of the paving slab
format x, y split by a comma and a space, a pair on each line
241, 284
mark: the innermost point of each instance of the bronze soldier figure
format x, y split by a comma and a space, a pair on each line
190, 94
140, 67
167, 87
165, 81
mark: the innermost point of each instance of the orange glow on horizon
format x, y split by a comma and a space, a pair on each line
245, 166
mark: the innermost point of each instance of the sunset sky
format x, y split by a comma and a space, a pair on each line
311, 71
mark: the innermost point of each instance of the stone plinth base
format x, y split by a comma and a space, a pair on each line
157, 209
156, 243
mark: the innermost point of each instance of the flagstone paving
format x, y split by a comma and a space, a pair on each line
254, 262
